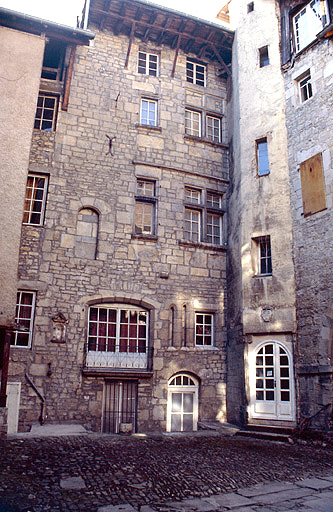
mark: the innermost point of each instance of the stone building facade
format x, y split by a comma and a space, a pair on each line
122, 266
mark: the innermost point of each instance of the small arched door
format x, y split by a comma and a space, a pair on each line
182, 414
272, 383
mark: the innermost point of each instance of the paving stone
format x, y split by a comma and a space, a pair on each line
278, 497
230, 500
147, 508
258, 490
72, 482
314, 483
330, 478
117, 508
320, 504
198, 504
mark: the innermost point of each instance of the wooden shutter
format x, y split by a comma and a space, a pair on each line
313, 185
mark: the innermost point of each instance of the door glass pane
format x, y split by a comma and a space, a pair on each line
176, 402
259, 395
176, 425
188, 422
188, 402
285, 396
270, 395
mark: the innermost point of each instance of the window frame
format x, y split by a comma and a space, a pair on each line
30, 319
32, 201
310, 37
148, 70
195, 80
150, 101
264, 59
119, 308
212, 138
190, 131
145, 199
261, 257
55, 109
308, 87
260, 171
211, 335
204, 210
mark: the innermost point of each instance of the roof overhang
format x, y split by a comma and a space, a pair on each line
160, 26
38, 26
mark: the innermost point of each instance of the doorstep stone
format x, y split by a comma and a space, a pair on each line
314, 483
278, 497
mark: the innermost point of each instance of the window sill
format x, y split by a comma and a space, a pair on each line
203, 140
116, 372
148, 127
203, 245
263, 275
151, 238
33, 225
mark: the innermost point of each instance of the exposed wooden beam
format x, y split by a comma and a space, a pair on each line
68, 79
176, 56
221, 61
202, 49
189, 44
131, 37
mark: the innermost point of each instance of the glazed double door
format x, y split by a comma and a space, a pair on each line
272, 383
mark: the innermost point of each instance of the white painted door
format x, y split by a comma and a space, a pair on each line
13, 404
182, 404
272, 391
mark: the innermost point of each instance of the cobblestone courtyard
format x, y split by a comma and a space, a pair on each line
143, 471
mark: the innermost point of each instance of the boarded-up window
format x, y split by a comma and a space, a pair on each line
86, 234
313, 185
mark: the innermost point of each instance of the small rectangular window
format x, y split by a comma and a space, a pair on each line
213, 128
204, 329
145, 208
195, 72
193, 123
263, 56
148, 115
24, 316
262, 157
192, 195
305, 87
46, 112
264, 255
35, 199
214, 200
148, 64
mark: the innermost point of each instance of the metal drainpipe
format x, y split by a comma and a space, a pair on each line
40, 396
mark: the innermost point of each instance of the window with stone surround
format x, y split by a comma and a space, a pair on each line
203, 216
262, 255
305, 87
204, 329
196, 72
24, 317
117, 336
46, 112
262, 157
263, 57
308, 22
213, 128
148, 112
192, 122
145, 207
35, 199
148, 63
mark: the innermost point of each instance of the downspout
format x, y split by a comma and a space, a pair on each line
41, 418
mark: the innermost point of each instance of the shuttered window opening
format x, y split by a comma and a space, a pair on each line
313, 185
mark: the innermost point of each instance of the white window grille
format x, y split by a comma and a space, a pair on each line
214, 229
193, 123
24, 316
117, 336
213, 128
204, 223
148, 64
264, 255
305, 87
35, 199
196, 73
204, 329
148, 114
46, 112
145, 207
308, 22
192, 195
192, 228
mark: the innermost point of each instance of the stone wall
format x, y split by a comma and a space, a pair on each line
309, 133
161, 271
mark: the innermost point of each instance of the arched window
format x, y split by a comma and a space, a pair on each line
87, 234
117, 336
182, 414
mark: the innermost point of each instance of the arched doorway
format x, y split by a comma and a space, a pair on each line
271, 382
182, 413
